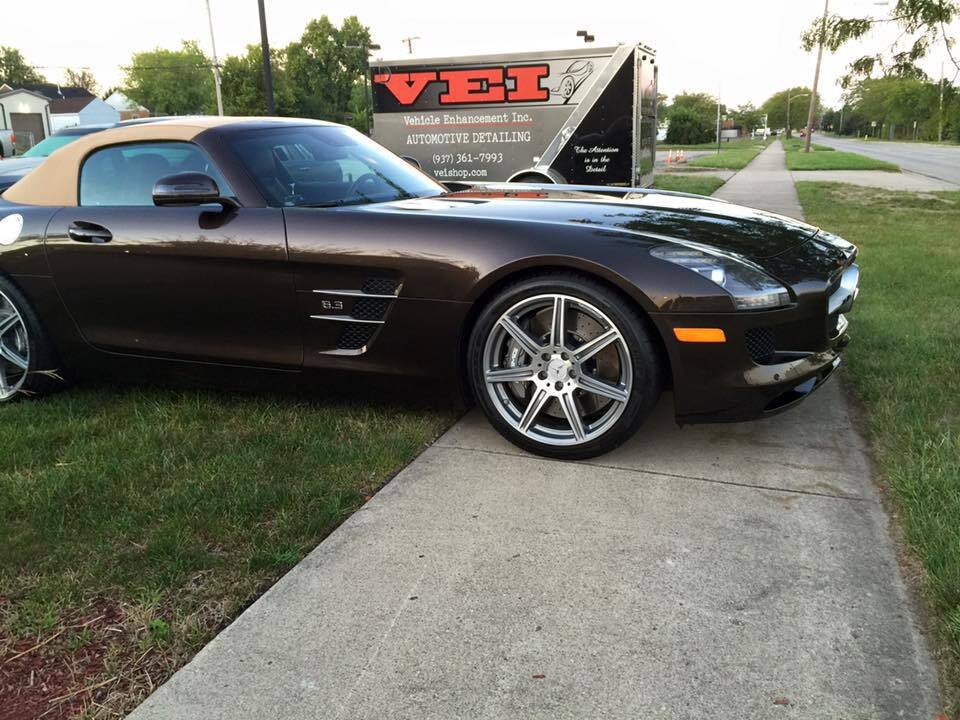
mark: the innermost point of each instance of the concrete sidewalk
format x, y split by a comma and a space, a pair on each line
765, 183
732, 571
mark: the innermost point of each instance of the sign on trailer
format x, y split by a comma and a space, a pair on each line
585, 116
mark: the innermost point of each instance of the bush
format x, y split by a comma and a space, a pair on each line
687, 128
952, 129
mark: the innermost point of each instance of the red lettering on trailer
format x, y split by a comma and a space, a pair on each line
406, 87
527, 83
473, 85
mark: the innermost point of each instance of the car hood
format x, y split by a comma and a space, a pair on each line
659, 215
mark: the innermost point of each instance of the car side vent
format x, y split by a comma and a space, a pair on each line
761, 344
355, 336
369, 308
380, 286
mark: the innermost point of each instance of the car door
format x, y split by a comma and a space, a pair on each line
201, 283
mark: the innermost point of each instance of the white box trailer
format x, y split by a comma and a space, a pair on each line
584, 117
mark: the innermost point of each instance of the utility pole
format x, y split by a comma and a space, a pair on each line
367, 94
840, 129
267, 72
940, 114
718, 123
789, 99
216, 63
409, 42
816, 76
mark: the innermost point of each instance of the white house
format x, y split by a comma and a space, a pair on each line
25, 112
69, 112
125, 106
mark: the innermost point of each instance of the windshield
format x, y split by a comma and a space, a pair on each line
47, 146
326, 166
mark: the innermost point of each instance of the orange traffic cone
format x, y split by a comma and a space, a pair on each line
680, 157
670, 158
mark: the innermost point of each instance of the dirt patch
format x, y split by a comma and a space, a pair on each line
61, 674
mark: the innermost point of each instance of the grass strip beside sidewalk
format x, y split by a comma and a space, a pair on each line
135, 524
822, 157
696, 184
732, 156
904, 362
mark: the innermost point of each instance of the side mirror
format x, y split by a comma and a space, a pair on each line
412, 161
189, 188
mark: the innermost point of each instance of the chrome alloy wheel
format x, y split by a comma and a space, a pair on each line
14, 349
557, 369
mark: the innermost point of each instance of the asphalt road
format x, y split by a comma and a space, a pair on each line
939, 161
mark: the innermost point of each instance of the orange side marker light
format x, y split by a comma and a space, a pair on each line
700, 335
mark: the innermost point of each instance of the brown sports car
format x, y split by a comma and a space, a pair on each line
298, 247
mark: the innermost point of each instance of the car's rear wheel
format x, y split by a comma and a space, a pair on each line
563, 366
27, 364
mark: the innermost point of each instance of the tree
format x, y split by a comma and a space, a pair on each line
898, 102
14, 70
325, 65
692, 118
242, 83
749, 117
953, 120
84, 79
171, 82
663, 106
923, 24
775, 108
687, 128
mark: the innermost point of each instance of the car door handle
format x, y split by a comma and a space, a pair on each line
89, 232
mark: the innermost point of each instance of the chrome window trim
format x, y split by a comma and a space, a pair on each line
357, 293
346, 318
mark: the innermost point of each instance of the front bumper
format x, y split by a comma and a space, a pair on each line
745, 378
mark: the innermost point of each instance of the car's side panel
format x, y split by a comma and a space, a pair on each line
441, 266
21, 239
24, 262
188, 283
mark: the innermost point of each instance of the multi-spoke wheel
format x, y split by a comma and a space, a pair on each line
563, 367
23, 349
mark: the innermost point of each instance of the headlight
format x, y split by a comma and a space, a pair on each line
750, 287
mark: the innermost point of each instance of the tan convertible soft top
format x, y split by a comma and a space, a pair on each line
55, 182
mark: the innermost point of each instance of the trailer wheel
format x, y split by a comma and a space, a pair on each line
533, 177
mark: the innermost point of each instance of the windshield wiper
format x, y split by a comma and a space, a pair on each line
327, 204
335, 203
362, 200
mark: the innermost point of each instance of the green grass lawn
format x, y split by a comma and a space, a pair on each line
697, 184
712, 145
736, 156
904, 363
134, 524
795, 143
821, 157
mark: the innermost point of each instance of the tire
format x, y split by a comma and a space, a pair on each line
28, 364
535, 178
533, 388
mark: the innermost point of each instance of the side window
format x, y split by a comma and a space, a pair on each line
126, 174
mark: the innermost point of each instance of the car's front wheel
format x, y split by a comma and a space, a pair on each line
563, 366
27, 364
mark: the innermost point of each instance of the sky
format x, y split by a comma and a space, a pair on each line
745, 50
